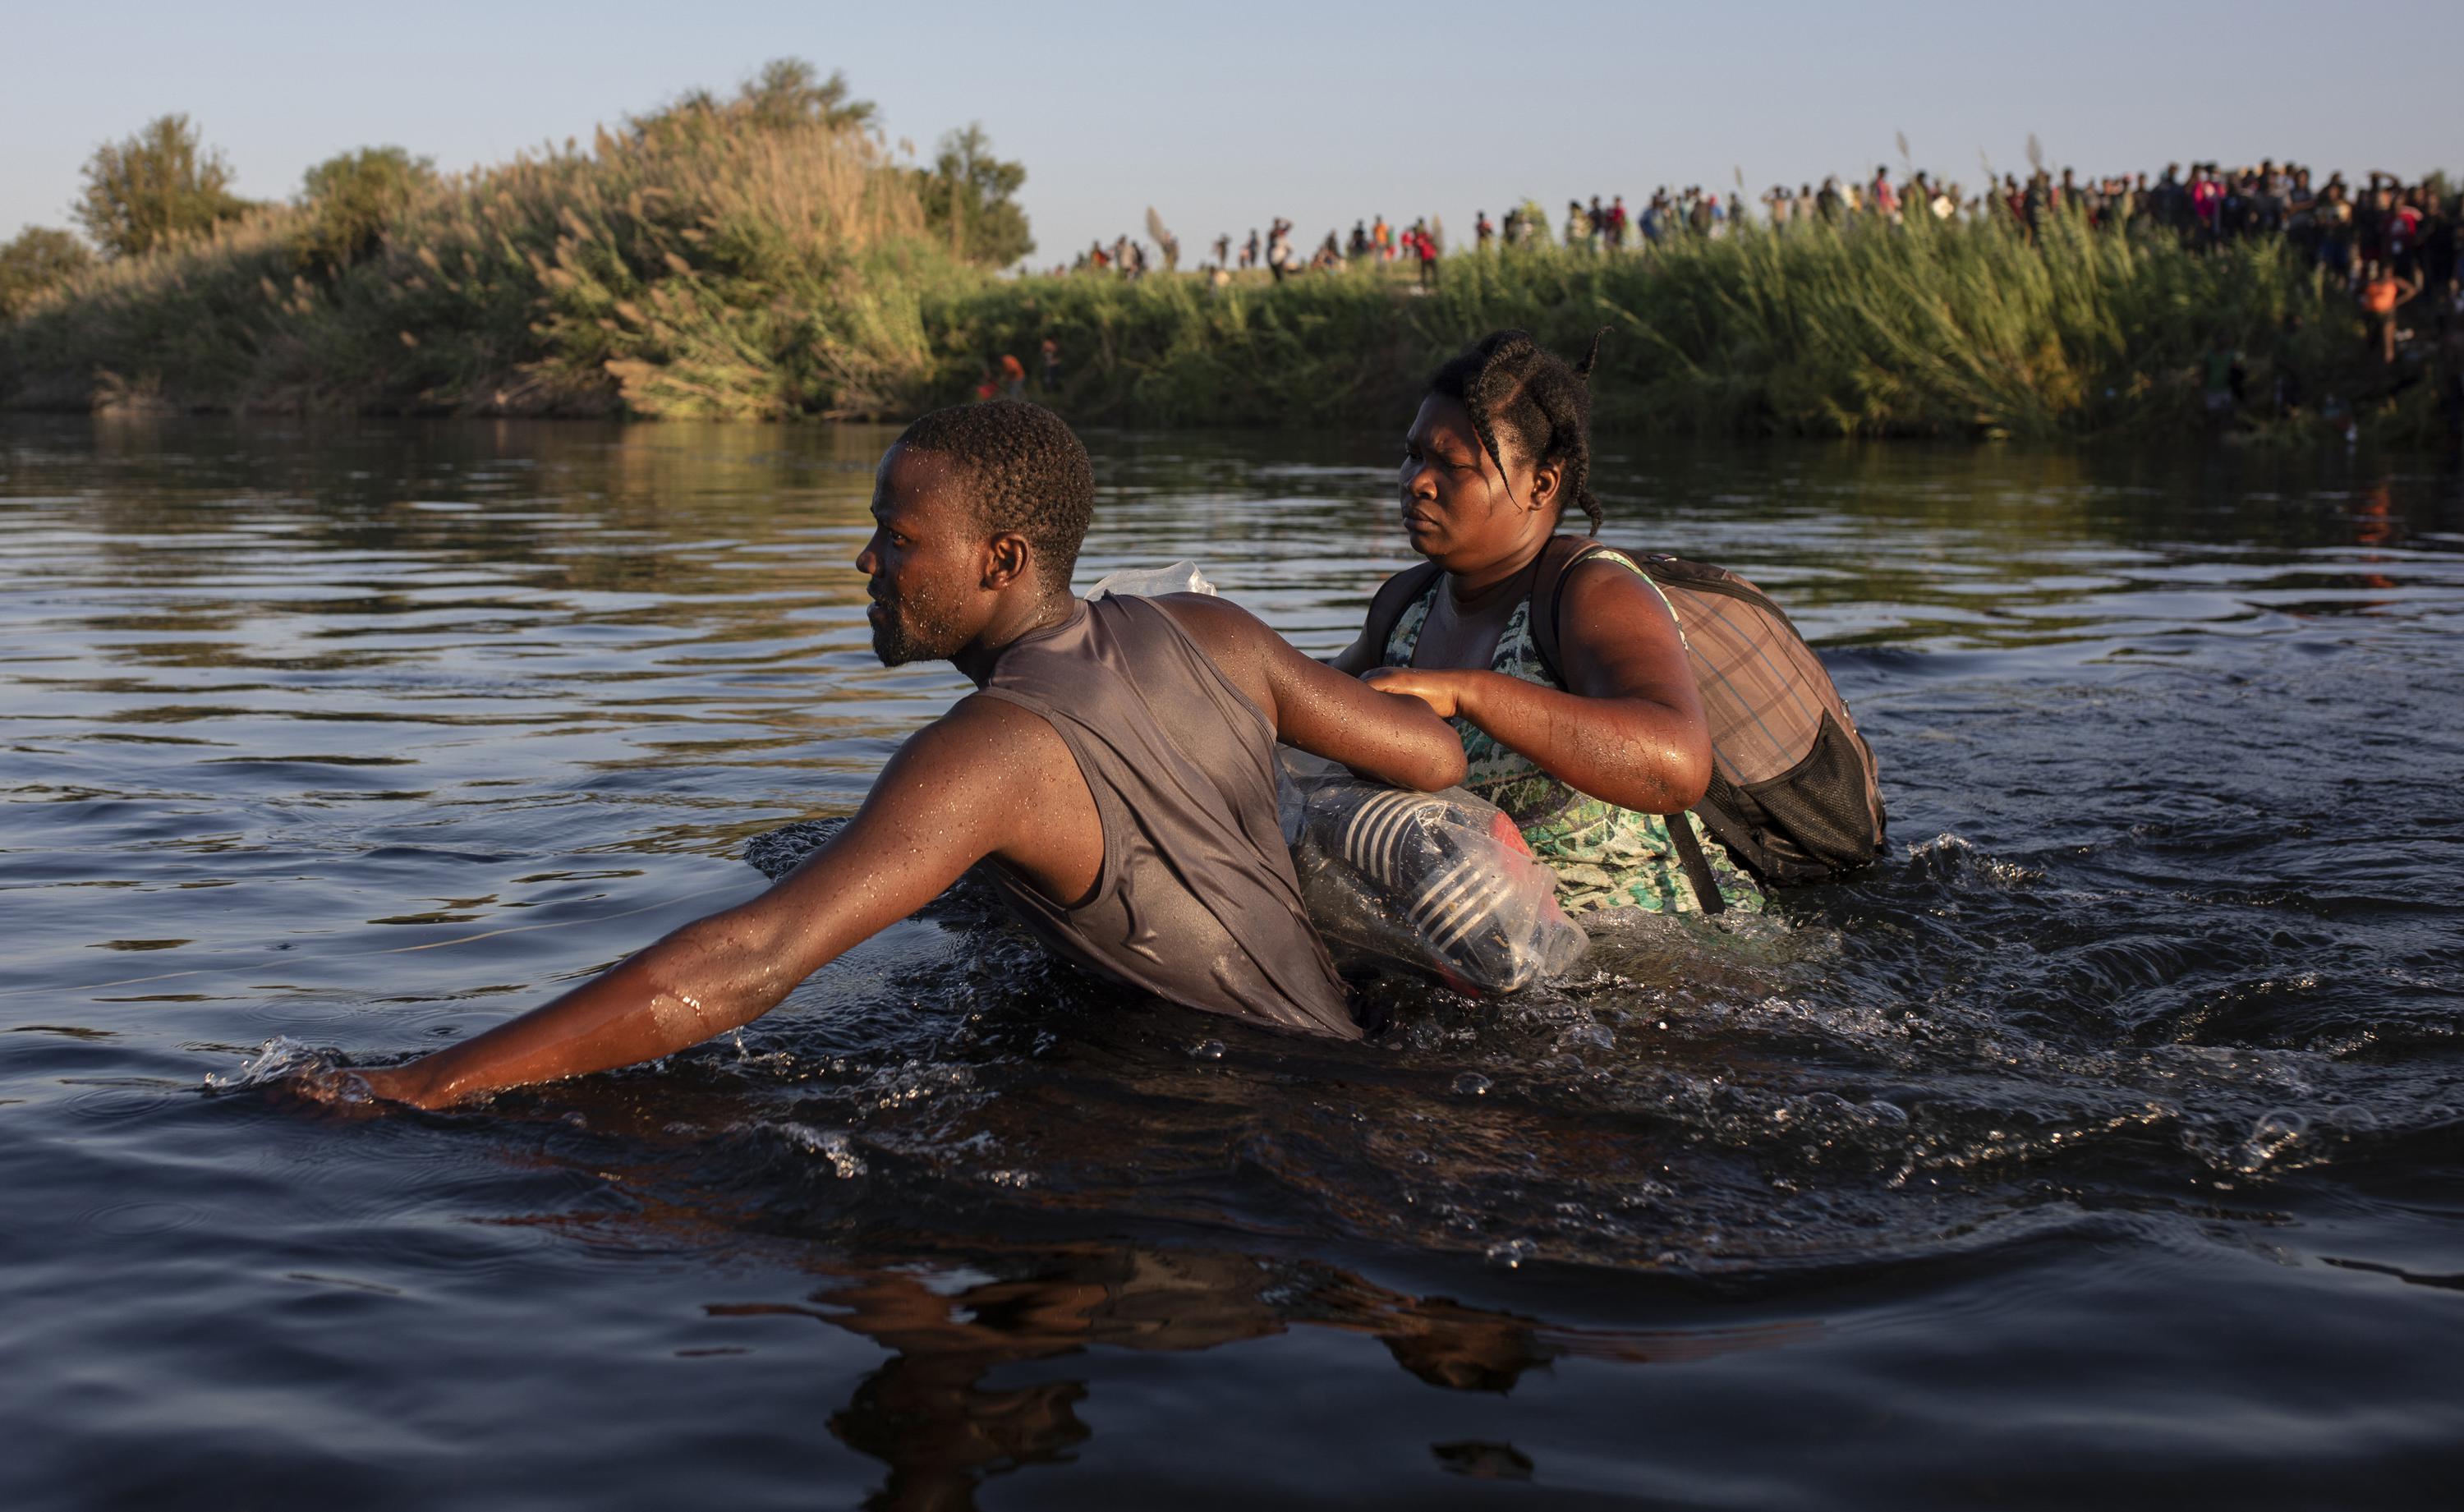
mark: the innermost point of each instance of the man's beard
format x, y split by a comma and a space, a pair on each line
896, 642
891, 643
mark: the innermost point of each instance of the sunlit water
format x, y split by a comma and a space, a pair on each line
2099, 1146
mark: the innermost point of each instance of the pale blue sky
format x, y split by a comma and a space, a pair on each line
1226, 114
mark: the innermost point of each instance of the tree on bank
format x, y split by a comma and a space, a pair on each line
787, 93
350, 199
154, 187
967, 196
39, 258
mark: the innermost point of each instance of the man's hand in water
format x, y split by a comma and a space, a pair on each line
357, 1086
355, 1093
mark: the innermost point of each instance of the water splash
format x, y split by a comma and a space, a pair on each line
282, 1061
1510, 1254
833, 1145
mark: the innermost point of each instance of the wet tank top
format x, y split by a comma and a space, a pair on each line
1197, 902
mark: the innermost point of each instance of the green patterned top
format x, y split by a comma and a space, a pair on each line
1605, 857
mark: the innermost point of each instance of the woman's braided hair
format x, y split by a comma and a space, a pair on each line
1510, 383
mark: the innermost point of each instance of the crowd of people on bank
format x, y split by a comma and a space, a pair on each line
1418, 246
2389, 244
1692, 211
2380, 226
2409, 228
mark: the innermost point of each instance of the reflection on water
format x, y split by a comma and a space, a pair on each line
928, 1413
2130, 1077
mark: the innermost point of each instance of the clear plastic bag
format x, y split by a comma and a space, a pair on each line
1438, 884
1149, 582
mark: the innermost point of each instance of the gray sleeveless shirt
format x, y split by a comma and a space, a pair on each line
1197, 902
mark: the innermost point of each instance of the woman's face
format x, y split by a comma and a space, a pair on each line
1459, 510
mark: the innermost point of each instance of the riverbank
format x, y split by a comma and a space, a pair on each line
718, 267
1958, 330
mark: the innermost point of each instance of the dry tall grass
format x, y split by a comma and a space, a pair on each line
699, 264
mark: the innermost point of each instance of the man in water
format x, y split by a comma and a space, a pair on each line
1116, 768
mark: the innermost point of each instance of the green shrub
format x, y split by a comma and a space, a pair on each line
351, 199
154, 187
38, 260
968, 199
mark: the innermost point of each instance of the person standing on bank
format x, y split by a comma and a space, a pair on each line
1116, 768
1596, 761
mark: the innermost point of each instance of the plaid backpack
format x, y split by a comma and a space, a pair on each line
1793, 796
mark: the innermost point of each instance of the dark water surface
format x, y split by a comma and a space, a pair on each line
2101, 1147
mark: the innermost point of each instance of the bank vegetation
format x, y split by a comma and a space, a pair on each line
766, 255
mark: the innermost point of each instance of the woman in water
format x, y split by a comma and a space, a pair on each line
1593, 766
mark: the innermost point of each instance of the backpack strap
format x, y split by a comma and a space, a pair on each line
1394, 596
1556, 558
1697, 865
1560, 554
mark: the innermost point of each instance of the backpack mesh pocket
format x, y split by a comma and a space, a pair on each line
1813, 822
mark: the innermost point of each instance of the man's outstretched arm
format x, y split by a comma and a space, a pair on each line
925, 823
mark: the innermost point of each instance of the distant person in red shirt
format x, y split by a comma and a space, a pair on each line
1419, 242
2382, 290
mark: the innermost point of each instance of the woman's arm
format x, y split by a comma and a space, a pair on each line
1628, 731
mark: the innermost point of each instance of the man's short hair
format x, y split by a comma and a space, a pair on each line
1025, 472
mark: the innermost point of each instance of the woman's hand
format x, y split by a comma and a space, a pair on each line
1628, 729
1441, 688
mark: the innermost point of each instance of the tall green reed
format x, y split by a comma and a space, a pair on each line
1863, 330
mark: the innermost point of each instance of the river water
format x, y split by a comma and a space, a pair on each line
2101, 1145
